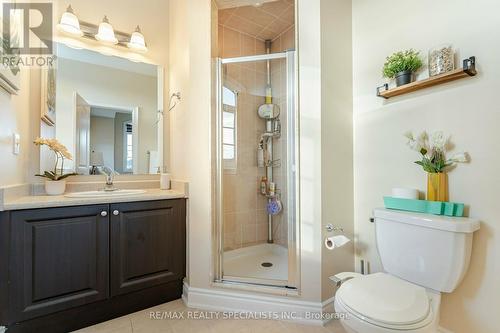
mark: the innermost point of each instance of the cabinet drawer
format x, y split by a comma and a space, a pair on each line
147, 244
59, 259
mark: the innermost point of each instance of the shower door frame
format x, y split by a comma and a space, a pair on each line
293, 199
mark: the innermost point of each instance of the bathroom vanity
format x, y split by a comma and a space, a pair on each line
99, 252
64, 268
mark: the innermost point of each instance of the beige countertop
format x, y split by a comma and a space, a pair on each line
46, 201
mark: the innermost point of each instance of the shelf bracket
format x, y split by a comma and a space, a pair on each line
385, 86
469, 66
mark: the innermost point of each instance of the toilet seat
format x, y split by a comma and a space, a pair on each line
386, 301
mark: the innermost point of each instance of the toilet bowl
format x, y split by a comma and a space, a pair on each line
422, 256
381, 303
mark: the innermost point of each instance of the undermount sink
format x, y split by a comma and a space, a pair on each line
104, 194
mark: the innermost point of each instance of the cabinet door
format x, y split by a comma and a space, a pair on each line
148, 244
59, 259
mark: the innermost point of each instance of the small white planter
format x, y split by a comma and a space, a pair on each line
55, 187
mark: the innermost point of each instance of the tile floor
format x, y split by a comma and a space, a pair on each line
140, 322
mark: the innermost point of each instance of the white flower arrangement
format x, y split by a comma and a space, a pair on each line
433, 150
61, 153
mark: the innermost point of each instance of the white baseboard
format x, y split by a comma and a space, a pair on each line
233, 301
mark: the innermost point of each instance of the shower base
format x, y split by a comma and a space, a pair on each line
266, 262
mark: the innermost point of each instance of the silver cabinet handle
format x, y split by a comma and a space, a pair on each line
116, 213
104, 213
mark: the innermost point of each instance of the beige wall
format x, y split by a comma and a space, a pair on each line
336, 135
309, 65
190, 73
466, 109
15, 115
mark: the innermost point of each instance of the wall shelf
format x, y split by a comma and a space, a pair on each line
469, 69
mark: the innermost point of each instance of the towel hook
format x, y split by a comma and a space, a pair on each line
177, 96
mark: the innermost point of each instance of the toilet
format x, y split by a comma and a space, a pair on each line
422, 256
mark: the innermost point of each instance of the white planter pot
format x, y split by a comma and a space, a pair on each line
55, 187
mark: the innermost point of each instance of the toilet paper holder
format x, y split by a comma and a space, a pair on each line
330, 227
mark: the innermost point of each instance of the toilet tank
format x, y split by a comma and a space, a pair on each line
428, 250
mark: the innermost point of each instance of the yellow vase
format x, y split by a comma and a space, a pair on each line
437, 187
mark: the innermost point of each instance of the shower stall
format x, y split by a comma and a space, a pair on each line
256, 128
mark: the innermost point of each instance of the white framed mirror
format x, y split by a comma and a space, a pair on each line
107, 110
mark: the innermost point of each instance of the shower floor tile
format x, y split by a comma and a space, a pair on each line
248, 262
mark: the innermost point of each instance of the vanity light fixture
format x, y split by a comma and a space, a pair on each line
137, 41
69, 23
106, 33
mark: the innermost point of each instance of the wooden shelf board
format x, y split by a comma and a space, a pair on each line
429, 82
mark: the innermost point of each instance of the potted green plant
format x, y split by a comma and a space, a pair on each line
433, 150
55, 180
402, 66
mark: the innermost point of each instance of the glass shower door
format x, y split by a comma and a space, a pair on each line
256, 170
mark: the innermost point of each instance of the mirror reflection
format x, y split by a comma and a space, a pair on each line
106, 112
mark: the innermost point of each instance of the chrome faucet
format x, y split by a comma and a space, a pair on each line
109, 180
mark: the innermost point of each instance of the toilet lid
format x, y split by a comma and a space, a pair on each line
385, 299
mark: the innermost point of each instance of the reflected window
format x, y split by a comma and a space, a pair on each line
127, 147
229, 139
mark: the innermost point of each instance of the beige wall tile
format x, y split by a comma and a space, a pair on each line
231, 45
245, 209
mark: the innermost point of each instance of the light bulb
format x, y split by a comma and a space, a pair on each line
137, 41
69, 23
106, 34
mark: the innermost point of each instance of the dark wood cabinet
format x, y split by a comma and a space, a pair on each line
146, 249
59, 259
75, 266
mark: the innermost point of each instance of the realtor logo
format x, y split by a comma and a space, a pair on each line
27, 28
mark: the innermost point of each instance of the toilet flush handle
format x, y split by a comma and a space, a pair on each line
340, 278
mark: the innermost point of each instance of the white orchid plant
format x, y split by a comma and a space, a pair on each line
61, 153
433, 149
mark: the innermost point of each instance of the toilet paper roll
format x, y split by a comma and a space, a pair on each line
165, 181
405, 193
336, 241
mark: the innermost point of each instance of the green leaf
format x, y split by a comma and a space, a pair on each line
50, 175
408, 60
67, 175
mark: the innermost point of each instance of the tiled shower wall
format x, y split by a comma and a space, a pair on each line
245, 217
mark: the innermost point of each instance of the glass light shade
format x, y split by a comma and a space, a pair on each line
106, 33
69, 23
137, 41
